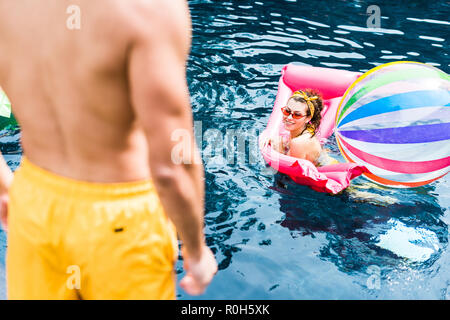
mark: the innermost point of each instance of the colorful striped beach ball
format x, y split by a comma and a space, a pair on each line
395, 120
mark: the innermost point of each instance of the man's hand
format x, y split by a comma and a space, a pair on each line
199, 272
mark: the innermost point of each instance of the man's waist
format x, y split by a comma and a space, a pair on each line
55, 183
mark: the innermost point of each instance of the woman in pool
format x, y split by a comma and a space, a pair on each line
301, 118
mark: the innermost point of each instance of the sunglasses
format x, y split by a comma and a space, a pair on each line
296, 115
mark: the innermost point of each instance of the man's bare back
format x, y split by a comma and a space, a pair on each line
99, 103
70, 87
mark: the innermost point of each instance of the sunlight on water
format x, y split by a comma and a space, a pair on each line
415, 244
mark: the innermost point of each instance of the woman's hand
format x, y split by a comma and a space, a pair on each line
264, 141
276, 142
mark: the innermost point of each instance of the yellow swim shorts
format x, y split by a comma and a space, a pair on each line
69, 239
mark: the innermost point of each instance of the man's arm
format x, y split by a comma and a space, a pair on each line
160, 98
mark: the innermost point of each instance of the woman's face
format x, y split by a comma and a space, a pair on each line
298, 108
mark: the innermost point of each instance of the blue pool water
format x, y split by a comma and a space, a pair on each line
274, 239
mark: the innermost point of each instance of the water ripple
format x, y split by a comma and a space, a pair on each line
274, 239
258, 222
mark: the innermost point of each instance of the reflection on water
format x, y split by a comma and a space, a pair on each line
364, 234
400, 240
415, 244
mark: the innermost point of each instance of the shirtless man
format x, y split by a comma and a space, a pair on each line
91, 212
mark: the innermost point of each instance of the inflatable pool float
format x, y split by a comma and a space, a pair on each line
332, 84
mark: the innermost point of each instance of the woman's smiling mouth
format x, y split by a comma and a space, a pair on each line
288, 122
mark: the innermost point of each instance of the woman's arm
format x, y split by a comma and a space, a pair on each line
272, 138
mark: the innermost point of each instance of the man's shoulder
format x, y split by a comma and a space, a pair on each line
156, 13
158, 21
